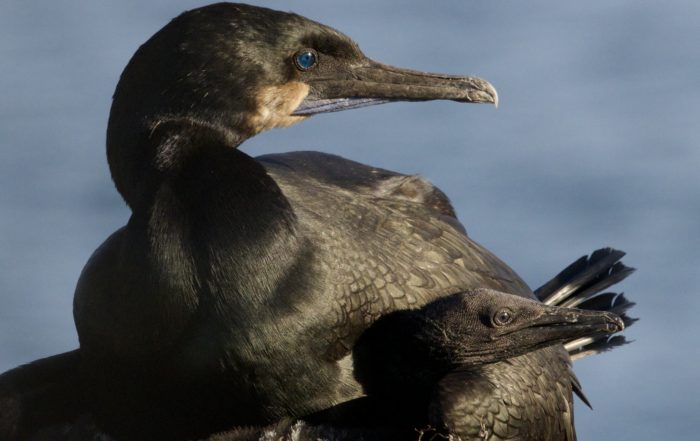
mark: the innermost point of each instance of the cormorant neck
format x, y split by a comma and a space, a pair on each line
142, 153
212, 196
210, 227
396, 357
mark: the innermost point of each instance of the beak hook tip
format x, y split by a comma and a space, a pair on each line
494, 93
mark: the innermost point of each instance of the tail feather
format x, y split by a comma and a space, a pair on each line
613, 302
584, 269
578, 350
617, 273
581, 285
580, 275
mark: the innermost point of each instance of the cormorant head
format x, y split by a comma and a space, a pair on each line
484, 326
234, 70
465, 331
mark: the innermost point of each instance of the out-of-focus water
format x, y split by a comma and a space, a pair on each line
595, 143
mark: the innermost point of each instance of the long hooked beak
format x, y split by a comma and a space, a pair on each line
372, 83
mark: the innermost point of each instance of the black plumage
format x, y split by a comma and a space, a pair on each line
495, 402
426, 371
234, 275
403, 356
399, 361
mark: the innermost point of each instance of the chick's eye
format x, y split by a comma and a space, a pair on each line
305, 59
502, 317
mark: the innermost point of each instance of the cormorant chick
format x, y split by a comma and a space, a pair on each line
405, 353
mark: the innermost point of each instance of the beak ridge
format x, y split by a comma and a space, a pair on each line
372, 83
581, 321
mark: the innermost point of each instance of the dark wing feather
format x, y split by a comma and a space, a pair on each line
392, 242
356, 177
40, 394
387, 241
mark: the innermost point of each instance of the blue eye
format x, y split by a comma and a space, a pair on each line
305, 59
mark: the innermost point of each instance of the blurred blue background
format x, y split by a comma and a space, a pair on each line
595, 143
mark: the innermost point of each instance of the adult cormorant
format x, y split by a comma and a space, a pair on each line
239, 286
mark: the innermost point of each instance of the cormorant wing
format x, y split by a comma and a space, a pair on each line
386, 241
37, 397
